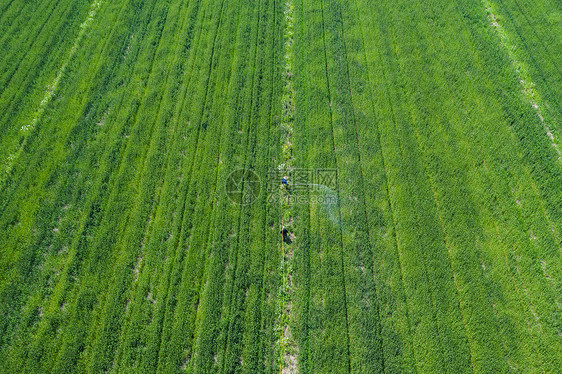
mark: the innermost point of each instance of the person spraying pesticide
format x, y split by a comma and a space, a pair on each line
286, 237
285, 182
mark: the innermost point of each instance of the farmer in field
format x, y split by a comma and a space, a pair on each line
285, 182
285, 234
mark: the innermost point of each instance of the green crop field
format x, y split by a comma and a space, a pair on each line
296, 186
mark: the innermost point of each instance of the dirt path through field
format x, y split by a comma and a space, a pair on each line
27, 129
527, 85
286, 344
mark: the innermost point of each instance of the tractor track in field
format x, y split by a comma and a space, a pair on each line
162, 188
330, 98
5, 8
392, 204
386, 163
208, 230
166, 88
84, 26
528, 87
127, 147
498, 236
180, 242
97, 65
362, 179
174, 265
249, 155
535, 101
438, 211
31, 44
119, 106
28, 129
55, 22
